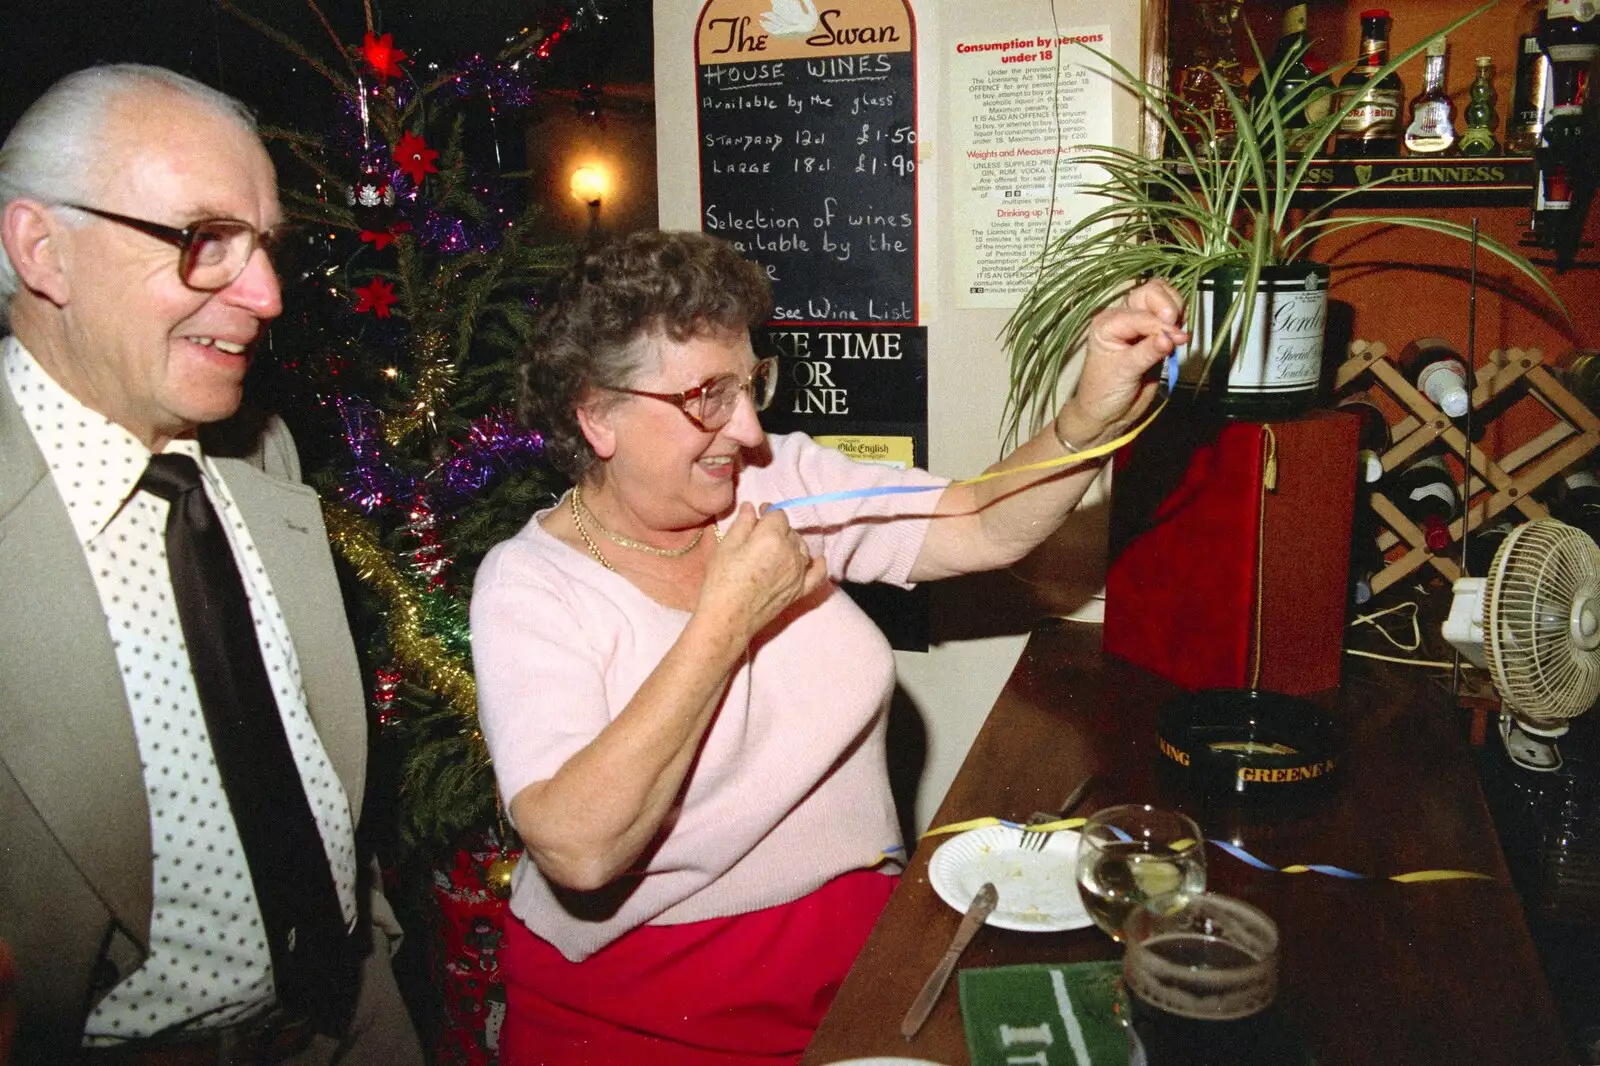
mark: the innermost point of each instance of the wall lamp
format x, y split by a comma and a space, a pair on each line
588, 186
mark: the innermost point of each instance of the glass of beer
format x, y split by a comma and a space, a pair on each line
1200, 981
1135, 855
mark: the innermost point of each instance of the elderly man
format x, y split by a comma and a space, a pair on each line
182, 734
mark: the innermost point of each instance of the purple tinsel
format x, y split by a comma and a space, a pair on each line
445, 234
495, 444
370, 483
508, 86
453, 235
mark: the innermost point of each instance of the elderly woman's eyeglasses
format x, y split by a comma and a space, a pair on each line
711, 403
212, 253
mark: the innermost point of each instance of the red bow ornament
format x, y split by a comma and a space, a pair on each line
413, 156
376, 296
382, 56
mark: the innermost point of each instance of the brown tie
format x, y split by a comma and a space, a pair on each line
314, 958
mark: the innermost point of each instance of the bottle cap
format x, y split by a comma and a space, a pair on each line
1437, 46
1375, 13
1455, 401
1435, 533
1484, 61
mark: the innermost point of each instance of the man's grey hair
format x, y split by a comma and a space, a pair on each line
56, 147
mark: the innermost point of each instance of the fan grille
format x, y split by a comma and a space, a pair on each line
1541, 621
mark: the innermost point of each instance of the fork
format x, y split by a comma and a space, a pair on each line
1034, 839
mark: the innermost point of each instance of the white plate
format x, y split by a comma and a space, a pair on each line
1038, 889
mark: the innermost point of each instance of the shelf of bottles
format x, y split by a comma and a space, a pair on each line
1421, 150
1498, 484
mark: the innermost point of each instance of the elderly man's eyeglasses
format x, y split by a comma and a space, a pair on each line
711, 403
212, 253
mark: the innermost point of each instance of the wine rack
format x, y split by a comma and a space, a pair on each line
1498, 484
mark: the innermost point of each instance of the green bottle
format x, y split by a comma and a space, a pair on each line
1478, 139
1292, 62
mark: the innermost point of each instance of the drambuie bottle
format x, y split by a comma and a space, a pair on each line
1372, 127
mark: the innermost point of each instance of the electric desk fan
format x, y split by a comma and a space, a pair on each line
1533, 621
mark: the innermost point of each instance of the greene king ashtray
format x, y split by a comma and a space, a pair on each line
1248, 742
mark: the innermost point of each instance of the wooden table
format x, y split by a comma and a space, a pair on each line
1371, 971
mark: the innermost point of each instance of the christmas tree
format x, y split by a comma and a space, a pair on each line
409, 289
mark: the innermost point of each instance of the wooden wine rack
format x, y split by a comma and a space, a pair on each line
1498, 484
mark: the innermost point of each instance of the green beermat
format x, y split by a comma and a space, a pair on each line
1046, 1015
1065, 1015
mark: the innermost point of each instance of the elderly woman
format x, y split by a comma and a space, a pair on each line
685, 714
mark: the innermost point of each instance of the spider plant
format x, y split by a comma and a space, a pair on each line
1183, 219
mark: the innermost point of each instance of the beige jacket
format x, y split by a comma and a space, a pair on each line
75, 864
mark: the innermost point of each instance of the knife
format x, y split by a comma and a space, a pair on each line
977, 913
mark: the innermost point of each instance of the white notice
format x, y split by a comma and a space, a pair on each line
1023, 110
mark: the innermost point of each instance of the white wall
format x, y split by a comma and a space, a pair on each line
979, 623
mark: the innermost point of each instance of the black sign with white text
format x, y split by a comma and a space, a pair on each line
864, 391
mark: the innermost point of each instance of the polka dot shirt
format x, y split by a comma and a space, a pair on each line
209, 963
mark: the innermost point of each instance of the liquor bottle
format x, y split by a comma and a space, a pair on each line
1439, 373
1478, 139
1295, 70
1366, 558
1372, 439
1578, 501
1579, 372
1372, 127
1432, 130
1570, 22
1570, 37
1552, 197
1483, 543
1426, 493
1526, 125
1210, 79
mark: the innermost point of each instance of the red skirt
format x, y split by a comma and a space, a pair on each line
746, 989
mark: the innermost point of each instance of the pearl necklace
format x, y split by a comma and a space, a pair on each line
578, 507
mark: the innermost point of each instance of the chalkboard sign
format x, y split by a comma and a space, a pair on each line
808, 152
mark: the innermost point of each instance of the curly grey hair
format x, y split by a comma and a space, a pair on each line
601, 320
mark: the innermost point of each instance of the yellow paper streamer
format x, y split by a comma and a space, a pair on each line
1074, 458
1412, 878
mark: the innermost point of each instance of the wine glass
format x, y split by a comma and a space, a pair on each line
1137, 855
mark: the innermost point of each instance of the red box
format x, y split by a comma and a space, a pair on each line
1229, 543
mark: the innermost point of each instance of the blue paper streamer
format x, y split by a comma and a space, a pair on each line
852, 494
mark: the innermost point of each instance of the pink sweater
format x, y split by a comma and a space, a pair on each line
791, 788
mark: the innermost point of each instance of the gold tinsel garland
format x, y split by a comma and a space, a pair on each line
413, 646
436, 372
